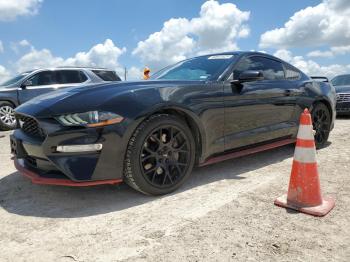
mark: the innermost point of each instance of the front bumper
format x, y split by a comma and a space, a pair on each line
39, 160
343, 108
57, 180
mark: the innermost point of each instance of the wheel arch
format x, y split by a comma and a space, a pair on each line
321, 140
8, 101
325, 102
192, 122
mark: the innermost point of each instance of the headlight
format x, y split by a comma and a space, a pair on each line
90, 119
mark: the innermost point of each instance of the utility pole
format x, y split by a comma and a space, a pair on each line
125, 73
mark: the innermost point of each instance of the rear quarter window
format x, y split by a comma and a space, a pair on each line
107, 75
291, 73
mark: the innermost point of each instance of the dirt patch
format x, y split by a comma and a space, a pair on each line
224, 212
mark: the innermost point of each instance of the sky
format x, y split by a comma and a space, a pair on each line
312, 35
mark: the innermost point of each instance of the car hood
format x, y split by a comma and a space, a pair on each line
4, 88
342, 89
88, 98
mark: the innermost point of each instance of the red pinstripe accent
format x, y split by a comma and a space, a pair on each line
36, 179
305, 143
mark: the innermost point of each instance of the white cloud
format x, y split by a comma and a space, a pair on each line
340, 50
4, 74
326, 24
216, 29
284, 54
24, 43
21, 46
334, 51
310, 67
11, 9
100, 55
318, 53
38, 59
134, 73
1, 47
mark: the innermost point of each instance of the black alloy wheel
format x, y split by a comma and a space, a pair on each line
160, 155
321, 121
165, 156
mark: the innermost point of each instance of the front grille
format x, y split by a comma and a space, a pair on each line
342, 98
30, 126
340, 110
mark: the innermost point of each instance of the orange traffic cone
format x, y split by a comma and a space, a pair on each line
304, 193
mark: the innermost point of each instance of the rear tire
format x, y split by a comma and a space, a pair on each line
321, 121
7, 116
160, 155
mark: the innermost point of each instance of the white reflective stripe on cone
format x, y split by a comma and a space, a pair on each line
305, 132
305, 155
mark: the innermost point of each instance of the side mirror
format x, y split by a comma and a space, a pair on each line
250, 75
26, 83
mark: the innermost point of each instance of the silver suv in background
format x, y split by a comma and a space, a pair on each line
28, 85
342, 87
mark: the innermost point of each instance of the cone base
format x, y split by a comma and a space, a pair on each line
319, 211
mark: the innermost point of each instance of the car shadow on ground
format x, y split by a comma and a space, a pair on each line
19, 196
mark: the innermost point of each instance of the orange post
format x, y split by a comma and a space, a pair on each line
304, 192
146, 73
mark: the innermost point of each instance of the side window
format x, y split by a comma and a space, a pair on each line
272, 69
107, 75
43, 78
83, 77
71, 77
291, 73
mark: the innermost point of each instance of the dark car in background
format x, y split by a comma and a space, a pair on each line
342, 87
31, 84
151, 133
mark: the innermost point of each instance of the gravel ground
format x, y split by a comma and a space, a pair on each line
225, 212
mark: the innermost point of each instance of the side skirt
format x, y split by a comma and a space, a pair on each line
248, 151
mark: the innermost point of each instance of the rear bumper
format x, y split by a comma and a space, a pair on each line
55, 179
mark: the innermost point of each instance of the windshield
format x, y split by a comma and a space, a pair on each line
199, 68
16, 79
343, 80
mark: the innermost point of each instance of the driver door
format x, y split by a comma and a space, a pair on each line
257, 111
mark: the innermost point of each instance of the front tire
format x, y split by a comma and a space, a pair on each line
160, 155
7, 116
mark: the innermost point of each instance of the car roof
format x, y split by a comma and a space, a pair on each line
72, 68
82, 67
242, 53
342, 75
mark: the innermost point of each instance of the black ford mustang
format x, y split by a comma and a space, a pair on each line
150, 134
